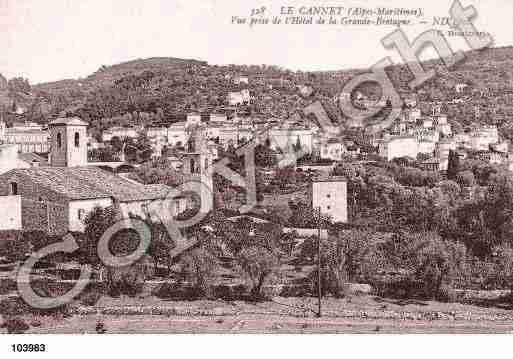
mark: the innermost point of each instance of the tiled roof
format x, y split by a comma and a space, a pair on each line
32, 157
90, 182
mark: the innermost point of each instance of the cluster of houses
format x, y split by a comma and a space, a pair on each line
55, 196
54, 192
430, 139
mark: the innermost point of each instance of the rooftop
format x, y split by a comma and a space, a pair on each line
90, 182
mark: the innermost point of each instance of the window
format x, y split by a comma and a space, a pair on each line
40, 199
328, 195
328, 208
77, 139
81, 214
59, 140
192, 165
14, 188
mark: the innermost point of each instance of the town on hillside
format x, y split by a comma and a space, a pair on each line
245, 195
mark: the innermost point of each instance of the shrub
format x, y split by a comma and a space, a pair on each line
129, 280
199, 267
90, 297
257, 265
175, 291
13, 306
446, 294
14, 249
15, 326
7, 285
334, 274
503, 266
436, 263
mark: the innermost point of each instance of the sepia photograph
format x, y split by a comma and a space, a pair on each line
260, 167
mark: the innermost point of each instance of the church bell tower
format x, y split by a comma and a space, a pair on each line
68, 142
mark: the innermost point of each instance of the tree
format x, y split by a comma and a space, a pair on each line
116, 143
436, 262
96, 223
258, 264
199, 267
466, 179
453, 166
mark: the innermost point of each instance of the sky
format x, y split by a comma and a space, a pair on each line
57, 39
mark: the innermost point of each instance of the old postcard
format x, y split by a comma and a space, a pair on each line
256, 167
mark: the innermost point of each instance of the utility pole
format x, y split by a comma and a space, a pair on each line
319, 276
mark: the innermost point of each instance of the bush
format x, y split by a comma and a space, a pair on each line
199, 267
90, 297
14, 249
129, 280
13, 306
436, 263
503, 267
15, 326
447, 294
7, 285
257, 265
175, 291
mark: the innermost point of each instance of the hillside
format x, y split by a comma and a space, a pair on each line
164, 89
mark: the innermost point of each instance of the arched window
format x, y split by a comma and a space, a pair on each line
77, 139
14, 188
59, 140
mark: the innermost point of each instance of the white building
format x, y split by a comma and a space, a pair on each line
442, 151
329, 195
285, 138
239, 98
399, 146
241, 80
332, 149
177, 134
120, 132
193, 118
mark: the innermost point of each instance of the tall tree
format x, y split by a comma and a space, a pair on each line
453, 165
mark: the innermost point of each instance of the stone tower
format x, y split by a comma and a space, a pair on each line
68, 142
197, 166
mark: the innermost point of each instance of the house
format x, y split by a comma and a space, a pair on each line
120, 132
28, 137
241, 80
26, 126
57, 199
442, 150
399, 146
460, 87
332, 149
159, 133
284, 139
412, 115
238, 98
218, 118
482, 138
177, 134
426, 147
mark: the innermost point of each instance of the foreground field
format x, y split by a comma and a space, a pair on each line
363, 314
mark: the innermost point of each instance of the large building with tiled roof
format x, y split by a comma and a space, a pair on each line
57, 198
